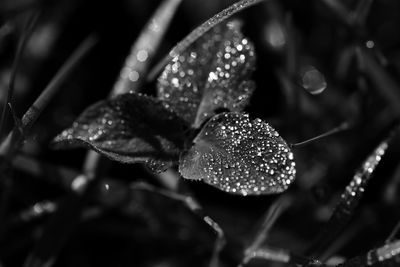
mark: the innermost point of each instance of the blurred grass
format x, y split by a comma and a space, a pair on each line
148, 229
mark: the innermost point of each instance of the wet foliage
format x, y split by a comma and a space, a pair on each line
197, 112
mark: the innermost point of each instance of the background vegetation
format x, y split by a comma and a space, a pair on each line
348, 48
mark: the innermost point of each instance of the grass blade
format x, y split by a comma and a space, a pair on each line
136, 64
349, 200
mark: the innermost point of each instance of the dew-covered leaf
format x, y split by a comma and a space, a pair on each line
240, 156
128, 128
210, 74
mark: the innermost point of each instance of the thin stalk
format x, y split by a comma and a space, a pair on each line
342, 127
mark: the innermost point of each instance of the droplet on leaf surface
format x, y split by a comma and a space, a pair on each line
128, 128
210, 74
240, 156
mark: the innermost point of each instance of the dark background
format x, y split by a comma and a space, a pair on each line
161, 232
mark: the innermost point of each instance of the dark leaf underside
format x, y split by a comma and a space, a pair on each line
128, 128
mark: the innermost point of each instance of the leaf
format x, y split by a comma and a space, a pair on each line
201, 30
128, 128
210, 74
239, 156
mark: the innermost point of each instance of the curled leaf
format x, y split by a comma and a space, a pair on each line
239, 156
128, 128
210, 74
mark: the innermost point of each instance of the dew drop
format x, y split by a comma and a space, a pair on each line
312, 80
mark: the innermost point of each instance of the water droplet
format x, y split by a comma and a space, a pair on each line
142, 55
275, 35
313, 80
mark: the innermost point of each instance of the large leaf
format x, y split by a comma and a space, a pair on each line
128, 128
210, 74
239, 156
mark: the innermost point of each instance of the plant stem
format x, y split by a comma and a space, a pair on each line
136, 64
342, 127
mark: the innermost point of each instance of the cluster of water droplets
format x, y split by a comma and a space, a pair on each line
240, 156
212, 73
356, 188
388, 251
128, 128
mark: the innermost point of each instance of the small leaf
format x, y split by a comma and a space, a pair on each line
210, 74
239, 156
128, 128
